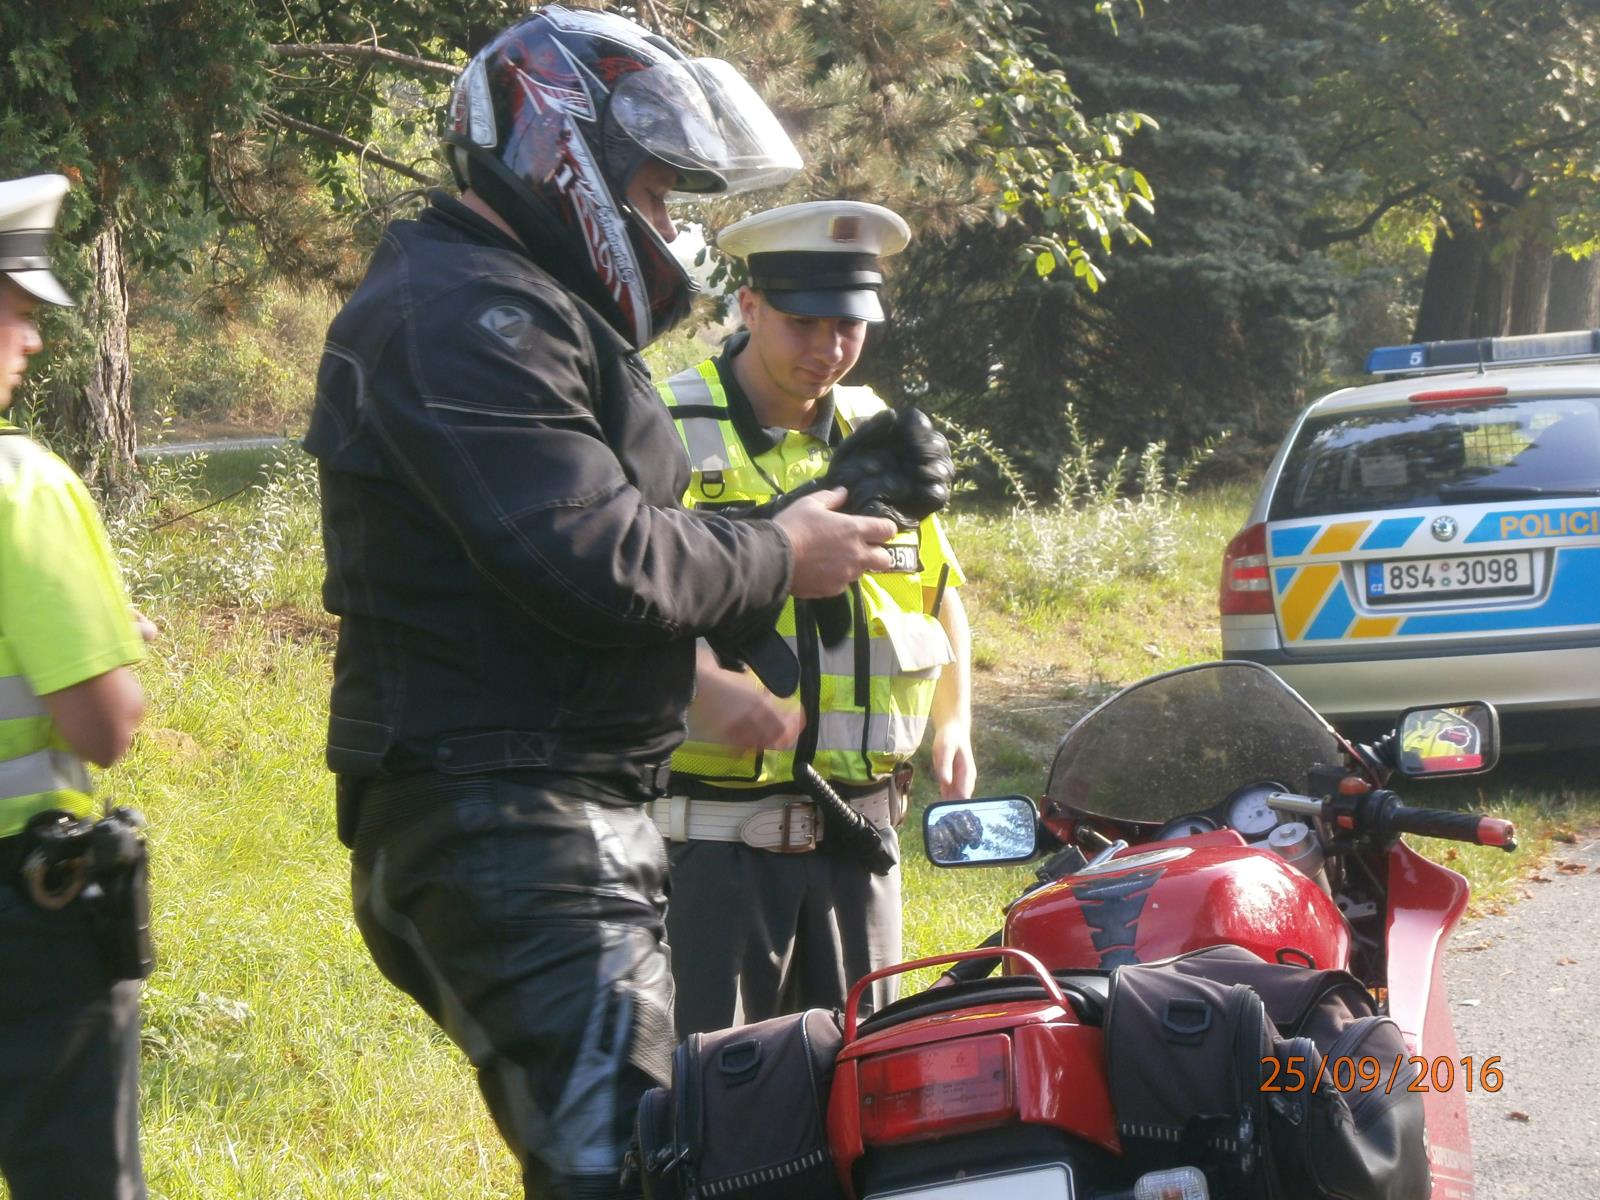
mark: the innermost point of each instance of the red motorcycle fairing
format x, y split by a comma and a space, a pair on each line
1167, 898
1426, 901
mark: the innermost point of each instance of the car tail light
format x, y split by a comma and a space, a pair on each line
932, 1090
1245, 588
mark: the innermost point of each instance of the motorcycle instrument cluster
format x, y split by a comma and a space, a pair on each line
1245, 810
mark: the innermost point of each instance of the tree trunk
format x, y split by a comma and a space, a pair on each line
1574, 293
1530, 295
99, 416
1450, 287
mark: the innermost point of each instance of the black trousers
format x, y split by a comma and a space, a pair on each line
526, 914
69, 1060
756, 934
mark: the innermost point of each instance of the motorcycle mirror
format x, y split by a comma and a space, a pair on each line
1448, 739
971, 833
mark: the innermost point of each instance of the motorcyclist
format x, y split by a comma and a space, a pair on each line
520, 590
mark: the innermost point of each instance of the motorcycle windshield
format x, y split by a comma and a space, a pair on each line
1181, 742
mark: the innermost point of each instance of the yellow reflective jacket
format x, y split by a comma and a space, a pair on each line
866, 699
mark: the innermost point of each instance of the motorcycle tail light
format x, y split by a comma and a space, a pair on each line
1245, 587
932, 1090
1180, 1183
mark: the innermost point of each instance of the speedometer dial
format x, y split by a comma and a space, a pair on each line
1182, 827
1248, 810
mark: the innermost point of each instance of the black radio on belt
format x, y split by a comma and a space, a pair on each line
105, 865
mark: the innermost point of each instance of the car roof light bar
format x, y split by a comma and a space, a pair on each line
1427, 357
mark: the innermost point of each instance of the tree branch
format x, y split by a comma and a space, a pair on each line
365, 152
1318, 236
369, 53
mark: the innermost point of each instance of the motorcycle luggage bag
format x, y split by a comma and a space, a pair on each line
745, 1116
1249, 1069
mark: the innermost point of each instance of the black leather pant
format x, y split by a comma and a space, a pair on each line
69, 1060
525, 913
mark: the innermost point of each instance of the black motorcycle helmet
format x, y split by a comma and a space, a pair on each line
549, 123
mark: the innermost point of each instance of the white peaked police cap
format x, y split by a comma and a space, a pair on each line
819, 259
28, 209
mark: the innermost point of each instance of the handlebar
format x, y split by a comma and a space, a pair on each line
1383, 817
1459, 826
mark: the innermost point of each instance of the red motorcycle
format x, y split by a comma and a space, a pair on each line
1205, 807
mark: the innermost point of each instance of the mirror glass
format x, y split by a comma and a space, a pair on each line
1453, 739
966, 833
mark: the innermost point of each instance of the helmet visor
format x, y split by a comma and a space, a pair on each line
702, 117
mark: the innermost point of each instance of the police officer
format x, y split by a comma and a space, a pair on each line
519, 586
761, 922
69, 1034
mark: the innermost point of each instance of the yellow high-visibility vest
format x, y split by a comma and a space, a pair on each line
867, 698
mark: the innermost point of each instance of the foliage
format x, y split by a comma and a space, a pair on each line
252, 366
206, 554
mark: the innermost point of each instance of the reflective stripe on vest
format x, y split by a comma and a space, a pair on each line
699, 408
43, 771
18, 700
854, 742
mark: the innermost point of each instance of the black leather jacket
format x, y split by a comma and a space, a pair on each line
517, 582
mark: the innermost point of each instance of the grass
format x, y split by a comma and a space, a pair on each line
278, 1063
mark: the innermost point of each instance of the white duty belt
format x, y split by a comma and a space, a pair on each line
783, 824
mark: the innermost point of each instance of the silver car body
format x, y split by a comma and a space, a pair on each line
1390, 603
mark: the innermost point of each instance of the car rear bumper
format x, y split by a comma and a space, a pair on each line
1515, 680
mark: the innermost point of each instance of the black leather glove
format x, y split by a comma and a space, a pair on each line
895, 465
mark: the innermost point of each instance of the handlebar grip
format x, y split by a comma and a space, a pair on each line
1458, 826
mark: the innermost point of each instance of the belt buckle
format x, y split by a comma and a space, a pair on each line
786, 829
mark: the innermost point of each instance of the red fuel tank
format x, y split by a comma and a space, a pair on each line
1166, 898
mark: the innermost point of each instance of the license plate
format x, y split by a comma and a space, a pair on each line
1053, 1182
1444, 578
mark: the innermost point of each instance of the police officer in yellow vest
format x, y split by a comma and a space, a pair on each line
762, 919
69, 1034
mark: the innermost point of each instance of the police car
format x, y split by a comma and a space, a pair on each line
1435, 537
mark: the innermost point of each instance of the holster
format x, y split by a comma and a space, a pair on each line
120, 913
103, 865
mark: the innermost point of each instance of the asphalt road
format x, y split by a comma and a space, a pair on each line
1525, 984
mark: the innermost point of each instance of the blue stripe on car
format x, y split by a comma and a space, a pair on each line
1287, 543
1334, 618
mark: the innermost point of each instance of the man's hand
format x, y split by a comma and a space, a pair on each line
832, 549
954, 768
733, 709
146, 627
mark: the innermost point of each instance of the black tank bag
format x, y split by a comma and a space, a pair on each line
746, 1115
1249, 1070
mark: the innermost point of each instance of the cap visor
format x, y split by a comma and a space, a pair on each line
42, 286
855, 305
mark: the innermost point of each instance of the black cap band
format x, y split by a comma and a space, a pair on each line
25, 250
814, 270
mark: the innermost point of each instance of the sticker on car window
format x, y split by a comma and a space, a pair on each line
1383, 470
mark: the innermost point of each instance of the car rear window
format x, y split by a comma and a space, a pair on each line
1413, 456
